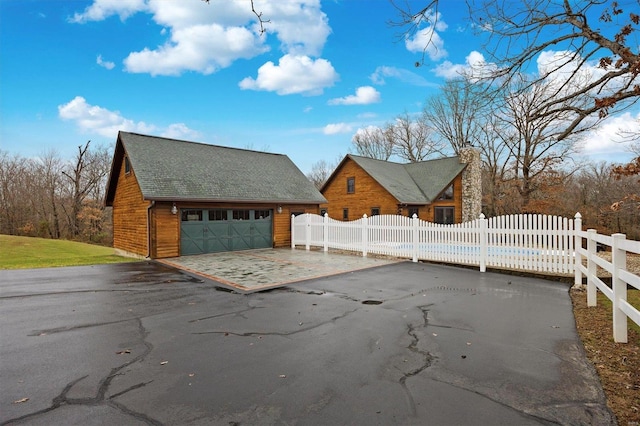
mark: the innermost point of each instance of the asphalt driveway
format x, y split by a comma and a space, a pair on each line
404, 343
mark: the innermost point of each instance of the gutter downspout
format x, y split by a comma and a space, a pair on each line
149, 207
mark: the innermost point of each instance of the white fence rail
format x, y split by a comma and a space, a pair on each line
620, 277
531, 242
537, 243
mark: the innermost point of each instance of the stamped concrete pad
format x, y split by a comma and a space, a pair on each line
254, 270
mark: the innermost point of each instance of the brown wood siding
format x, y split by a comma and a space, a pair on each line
129, 215
368, 193
165, 232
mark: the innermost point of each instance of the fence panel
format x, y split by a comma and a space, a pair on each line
525, 242
620, 277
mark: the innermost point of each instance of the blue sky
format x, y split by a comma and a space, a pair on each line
73, 70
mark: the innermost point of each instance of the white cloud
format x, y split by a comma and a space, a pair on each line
105, 64
101, 121
334, 128
364, 95
300, 25
475, 67
427, 40
180, 131
293, 74
200, 48
207, 37
607, 138
102, 9
405, 76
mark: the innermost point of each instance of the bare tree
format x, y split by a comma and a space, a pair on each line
456, 113
320, 172
48, 172
412, 139
372, 142
85, 177
587, 33
534, 143
14, 193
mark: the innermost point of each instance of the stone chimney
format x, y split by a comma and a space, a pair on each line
471, 183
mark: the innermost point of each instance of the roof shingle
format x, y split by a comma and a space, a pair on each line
169, 169
413, 183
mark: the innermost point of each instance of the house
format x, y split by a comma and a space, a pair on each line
446, 190
173, 197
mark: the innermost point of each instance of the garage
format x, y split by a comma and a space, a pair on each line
173, 198
215, 230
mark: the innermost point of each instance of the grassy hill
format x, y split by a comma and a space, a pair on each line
27, 252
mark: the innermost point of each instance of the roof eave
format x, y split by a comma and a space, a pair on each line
231, 200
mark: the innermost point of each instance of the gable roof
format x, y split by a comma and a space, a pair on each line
174, 170
413, 183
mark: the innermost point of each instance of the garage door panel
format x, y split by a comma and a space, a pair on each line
240, 236
217, 237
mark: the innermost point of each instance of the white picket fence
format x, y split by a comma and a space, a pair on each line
620, 277
537, 243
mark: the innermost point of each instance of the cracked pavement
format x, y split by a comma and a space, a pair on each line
405, 343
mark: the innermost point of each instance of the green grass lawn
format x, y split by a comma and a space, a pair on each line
26, 252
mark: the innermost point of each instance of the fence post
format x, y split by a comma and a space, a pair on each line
293, 232
482, 229
618, 261
414, 228
577, 257
591, 268
325, 232
307, 228
365, 234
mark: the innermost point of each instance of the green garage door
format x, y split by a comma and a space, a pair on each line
215, 230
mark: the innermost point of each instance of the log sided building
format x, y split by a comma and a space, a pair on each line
173, 197
446, 190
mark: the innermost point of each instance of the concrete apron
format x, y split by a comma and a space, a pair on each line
254, 270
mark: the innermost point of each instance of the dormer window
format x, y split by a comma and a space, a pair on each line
447, 194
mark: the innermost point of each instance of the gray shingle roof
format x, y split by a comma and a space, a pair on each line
169, 169
413, 183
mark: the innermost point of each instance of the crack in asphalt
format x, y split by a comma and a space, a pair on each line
413, 347
276, 333
75, 327
239, 313
103, 387
65, 293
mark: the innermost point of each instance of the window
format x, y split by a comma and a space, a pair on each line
375, 211
414, 210
241, 215
351, 185
444, 215
191, 215
262, 214
217, 214
127, 165
447, 194
297, 213
345, 214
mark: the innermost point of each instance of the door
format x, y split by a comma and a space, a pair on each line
217, 230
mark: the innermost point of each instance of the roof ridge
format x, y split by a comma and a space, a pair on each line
200, 143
